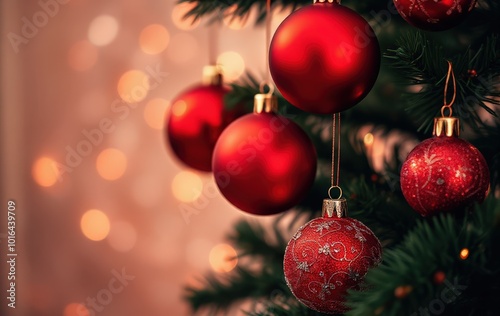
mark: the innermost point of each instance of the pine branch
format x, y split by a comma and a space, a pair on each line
386, 214
256, 241
219, 293
242, 7
435, 245
422, 64
290, 307
264, 248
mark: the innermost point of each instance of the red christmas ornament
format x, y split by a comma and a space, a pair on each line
434, 15
264, 163
196, 119
328, 256
324, 58
444, 172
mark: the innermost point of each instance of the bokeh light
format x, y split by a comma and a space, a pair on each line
178, 14
82, 56
187, 186
464, 254
111, 164
183, 47
223, 258
154, 113
75, 309
45, 172
154, 39
368, 139
179, 108
122, 236
233, 65
95, 225
103, 30
133, 86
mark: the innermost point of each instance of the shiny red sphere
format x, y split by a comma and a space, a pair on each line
195, 121
264, 163
434, 15
324, 58
327, 257
442, 174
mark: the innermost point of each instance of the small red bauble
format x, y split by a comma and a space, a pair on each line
444, 172
324, 58
434, 15
264, 163
195, 121
328, 256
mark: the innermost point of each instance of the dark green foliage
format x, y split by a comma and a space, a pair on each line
263, 250
423, 62
217, 7
435, 245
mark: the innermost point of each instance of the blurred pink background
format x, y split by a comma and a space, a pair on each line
66, 66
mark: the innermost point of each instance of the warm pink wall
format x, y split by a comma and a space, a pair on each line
45, 106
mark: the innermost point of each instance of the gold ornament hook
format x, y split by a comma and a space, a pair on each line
263, 85
330, 192
446, 105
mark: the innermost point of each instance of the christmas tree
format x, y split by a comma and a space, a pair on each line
445, 263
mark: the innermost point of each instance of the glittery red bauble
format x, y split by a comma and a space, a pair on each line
325, 258
264, 163
434, 15
444, 173
324, 58
195, 121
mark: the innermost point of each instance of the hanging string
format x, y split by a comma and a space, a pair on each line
267, 80
213, 40
268, 38
335, 156
447, 105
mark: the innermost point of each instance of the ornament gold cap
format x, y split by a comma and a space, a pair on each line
334, 208
446, 126
265, 103
212, 75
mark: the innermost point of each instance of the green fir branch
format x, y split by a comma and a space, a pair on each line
262, 247
219, 293
422, 64
385, 213
243, 7
290, 307
435, 245
252, 239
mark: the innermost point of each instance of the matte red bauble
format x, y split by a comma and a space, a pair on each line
324, 58
434, 15
264, 163
196, 119
328, 256
444, 172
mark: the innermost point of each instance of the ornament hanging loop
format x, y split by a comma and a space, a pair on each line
446, 105
330, 192
263, 85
